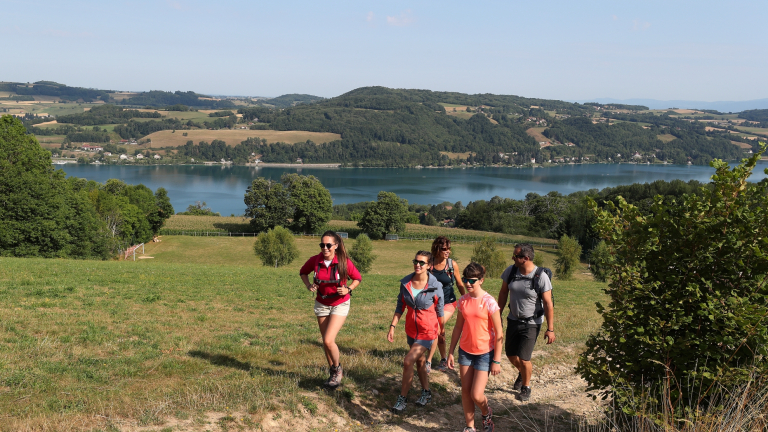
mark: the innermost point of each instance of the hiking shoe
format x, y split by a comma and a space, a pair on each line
525, 393
429, 367
518, 383
469, 429
400, 405
336, 375
487, 421
425, 397
443, 366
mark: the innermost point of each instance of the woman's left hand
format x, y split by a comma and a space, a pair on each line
343, 290
495, 369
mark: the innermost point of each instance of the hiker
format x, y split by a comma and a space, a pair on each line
530, 299
444, 269
478, 324
422, 295
333, 273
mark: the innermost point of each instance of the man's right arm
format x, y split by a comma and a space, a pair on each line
503, 294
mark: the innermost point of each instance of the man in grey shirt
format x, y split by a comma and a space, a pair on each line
530, 300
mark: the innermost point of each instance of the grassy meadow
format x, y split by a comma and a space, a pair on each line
202, 334
168, 138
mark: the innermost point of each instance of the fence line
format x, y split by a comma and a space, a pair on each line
245, 234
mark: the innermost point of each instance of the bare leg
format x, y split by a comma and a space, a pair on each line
478, 391
441, 338
414, 356
467, 403
329, 328
525, 368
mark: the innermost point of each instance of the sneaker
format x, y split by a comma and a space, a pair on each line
518, 383
400, 405
469, 429
425, 397
525, 393
336, 375
429, 367
487, 421
443, 366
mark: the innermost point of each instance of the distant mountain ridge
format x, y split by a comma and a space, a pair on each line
722, 106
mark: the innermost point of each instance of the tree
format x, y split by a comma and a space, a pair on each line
199, 209
688, 295
387, 215
361, 253
490, 257
568, 254
311, 202
599, 261
267, 204
276, 247
40, 212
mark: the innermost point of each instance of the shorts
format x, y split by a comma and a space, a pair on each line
520, 339
449, 308
480, 362
425, 343
322, 310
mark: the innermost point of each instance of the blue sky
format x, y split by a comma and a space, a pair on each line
574, 50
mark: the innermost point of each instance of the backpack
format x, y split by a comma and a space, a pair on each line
539, 270
448, 269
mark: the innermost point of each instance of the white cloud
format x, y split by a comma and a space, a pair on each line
370, 17
638, 25
406, 18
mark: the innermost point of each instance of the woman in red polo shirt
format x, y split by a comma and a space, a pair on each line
333, 270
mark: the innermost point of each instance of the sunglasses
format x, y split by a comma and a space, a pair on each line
326, 245
470, 281
420, 263
445, 249
520, 256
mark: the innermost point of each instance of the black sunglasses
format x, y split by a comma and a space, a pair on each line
420, 263
327, 245
520, 256
470, 281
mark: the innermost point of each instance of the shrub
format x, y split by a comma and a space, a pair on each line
599, 260
490, 257
568, 253
688, 295
361, 253
276, 247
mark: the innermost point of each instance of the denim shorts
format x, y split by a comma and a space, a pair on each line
425, 343
480, 362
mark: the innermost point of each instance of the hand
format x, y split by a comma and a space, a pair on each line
549, 336
340, 290
312, 288
450, 361
495, 369
391, 334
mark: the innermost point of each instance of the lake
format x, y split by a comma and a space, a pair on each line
223, 187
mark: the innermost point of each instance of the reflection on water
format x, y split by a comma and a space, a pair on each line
223, 187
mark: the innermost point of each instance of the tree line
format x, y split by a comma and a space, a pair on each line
105, 114
159, 98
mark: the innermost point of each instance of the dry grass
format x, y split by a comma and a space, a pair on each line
233, 137
454, 155
535, 132
742, 145
666, 137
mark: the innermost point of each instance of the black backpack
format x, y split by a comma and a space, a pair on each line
539, 270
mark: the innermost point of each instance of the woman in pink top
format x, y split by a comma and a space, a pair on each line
478, 324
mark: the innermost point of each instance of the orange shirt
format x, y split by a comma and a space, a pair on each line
478, 335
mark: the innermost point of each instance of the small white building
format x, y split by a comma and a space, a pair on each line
139, 156
157, 157
123, 156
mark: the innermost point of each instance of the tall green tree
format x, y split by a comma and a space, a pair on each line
310, 201
362, 254
489, 256
568, 254
688, 295
387, 215
267, 203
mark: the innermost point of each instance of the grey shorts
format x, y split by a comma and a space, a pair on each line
425, 343
322, 310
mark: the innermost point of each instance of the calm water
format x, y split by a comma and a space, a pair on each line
223, 187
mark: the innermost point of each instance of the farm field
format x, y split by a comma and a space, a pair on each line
168, 138
666, 137
535, 132
202, 337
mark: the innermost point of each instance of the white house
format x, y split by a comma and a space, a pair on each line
157, 157
139, 156
123, 156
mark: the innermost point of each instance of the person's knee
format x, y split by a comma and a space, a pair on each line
409, 361
478, 397
329, 343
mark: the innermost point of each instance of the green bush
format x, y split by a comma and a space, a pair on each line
688, 296
599, 260
387, 215
490, 257
361, 253
568, 253
276, 247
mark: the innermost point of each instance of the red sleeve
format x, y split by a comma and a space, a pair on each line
309, 266
352, 271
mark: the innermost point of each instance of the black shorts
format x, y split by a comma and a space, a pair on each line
520, 339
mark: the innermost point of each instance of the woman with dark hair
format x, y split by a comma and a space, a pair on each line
333, 271
444, 269
422, 295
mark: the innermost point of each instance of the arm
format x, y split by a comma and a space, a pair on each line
496, 367
440, 311
503, 294
352, 273
459, 283
549, 312
391, 332
455, 338
310, 286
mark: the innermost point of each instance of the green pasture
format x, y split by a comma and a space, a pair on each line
203, 327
